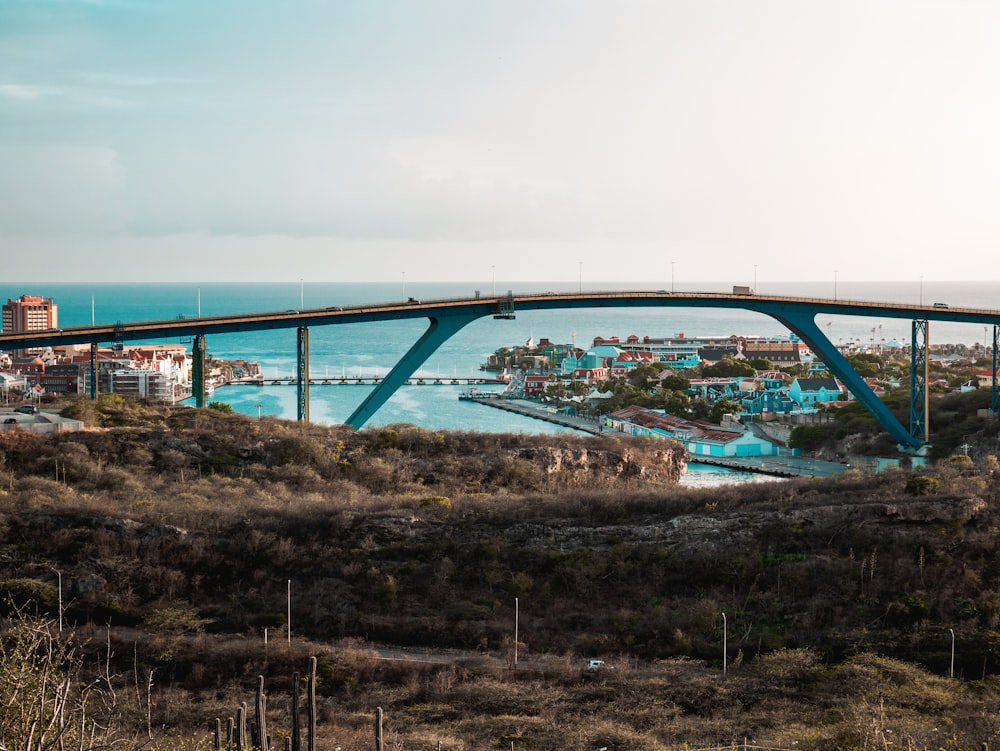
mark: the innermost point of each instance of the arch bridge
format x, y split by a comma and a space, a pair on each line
449, 315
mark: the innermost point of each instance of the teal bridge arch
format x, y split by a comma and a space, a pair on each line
449, 315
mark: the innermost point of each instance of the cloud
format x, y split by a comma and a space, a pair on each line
21, 91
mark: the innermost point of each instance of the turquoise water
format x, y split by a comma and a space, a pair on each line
371, 349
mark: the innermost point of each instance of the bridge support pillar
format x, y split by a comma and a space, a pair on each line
441, 328
302, 360
804, 325
919, 428
93, 370
198, 370
996, 390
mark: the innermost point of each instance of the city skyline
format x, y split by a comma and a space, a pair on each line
515, 141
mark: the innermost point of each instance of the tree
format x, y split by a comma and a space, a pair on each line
675, 383
809, 437
641, 375
700, 408
867, 365
677, 403
728, 367
722, 407
555, 389
47, 702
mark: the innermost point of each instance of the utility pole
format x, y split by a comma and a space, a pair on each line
515, 632
951, 669
725, 636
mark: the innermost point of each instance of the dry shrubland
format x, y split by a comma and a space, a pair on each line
178, 534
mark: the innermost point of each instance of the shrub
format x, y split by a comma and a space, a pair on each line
922, 485
23, 593
297, 450
439, 501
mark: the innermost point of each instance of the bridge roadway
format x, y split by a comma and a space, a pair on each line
448, 315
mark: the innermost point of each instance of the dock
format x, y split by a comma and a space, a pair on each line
777, 466
536, 411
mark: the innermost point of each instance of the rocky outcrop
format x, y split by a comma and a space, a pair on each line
708, 531
667, 464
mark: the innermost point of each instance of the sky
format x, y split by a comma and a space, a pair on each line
512, 140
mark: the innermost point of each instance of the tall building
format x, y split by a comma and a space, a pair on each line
29, 313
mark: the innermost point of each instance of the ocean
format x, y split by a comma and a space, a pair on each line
373, 348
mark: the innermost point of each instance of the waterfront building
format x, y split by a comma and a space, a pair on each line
29, 313
626, 362
771, 380
591, 376
767, 403
159, 372
12, 386
700, 438
49, 375
595, 357
985, 378
143, 382
62, 378
781, 352
535, 385
714, 388
811, 393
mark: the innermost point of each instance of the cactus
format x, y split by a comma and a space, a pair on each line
378, 728
260, 709
311, 700
241, 727
295, 740
236, 730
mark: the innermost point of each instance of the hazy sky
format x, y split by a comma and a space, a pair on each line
354, 140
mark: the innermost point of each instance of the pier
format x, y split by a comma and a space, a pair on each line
363, 381
777, 466
536, 411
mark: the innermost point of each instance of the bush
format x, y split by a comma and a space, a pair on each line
809, 437
921, 485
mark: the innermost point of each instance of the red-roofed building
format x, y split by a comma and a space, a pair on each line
699, 438
535, 385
